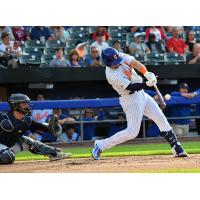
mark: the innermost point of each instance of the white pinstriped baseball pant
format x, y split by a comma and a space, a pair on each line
135, 106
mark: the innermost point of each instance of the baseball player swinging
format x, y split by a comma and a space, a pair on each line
121, 74
15, 122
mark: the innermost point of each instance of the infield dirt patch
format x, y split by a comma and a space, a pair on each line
109, 164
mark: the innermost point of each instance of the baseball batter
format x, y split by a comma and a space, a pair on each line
121, 74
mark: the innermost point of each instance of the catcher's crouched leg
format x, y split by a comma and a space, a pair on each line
7, 156
37, 147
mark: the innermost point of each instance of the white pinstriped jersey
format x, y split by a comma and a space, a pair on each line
118, 79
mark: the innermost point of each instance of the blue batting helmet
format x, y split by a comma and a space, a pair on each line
110, 57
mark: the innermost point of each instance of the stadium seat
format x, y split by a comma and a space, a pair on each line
73, 42
49, 51
118, 35
55, 44
155, 59
77, 35
67, 50
30, 59
79, 29
34, 44
45, 59
92, 29
168, 35
32, 51
139, 57
116, 28
197, 38
174, 58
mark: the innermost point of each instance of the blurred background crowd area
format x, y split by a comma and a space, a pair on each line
55, 45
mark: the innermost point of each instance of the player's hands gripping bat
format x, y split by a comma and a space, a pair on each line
152, 80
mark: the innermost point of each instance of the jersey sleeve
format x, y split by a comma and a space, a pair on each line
198, 91
121, 82
126, 58
175, 93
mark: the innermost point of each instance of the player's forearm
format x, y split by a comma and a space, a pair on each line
35, 126
139, 66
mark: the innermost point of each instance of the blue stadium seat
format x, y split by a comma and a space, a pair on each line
34, 44
55, 44
197, 38
30, 59
139, 57
92, 29
77, 35
118, 35
168, 35
155, 59
121, 29
49, 51
174, 58
32, 51
45, 59
79, 29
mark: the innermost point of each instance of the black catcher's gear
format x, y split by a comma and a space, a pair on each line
12, 129
16, 99
7, 156
37, 147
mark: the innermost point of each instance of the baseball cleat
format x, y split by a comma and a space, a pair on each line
96, 152
60, 155
178, 151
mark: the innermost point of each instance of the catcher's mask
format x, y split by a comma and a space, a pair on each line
15, 101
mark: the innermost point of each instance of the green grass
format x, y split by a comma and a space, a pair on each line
174, 170
125, 150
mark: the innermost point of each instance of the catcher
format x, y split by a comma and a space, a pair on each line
15, 122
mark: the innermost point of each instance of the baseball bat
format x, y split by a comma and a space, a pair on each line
160, 98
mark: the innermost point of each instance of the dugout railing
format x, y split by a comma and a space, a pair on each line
143, 124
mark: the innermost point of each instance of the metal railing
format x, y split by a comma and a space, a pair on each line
143, 124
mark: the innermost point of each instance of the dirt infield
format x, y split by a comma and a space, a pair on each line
114, 164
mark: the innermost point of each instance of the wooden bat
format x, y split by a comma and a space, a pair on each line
160, 98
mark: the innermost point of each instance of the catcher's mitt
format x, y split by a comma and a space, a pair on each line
54, 126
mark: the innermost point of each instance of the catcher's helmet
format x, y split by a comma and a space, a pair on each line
15, 100
110, 57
